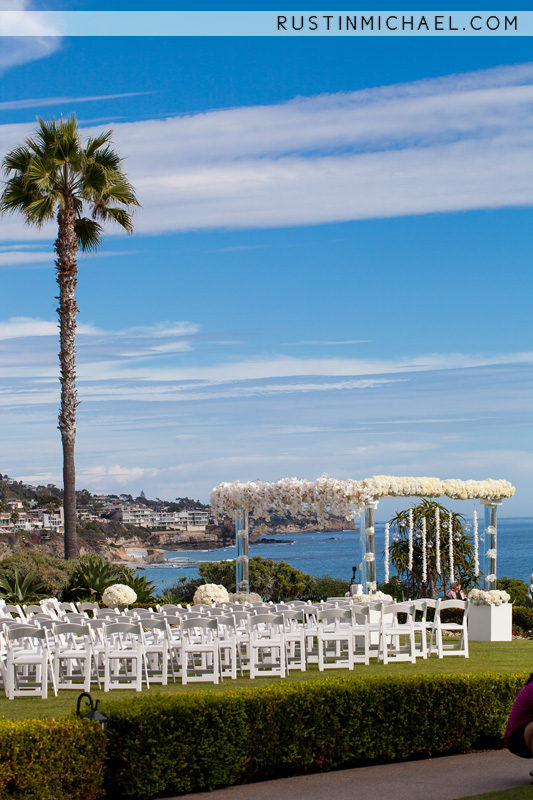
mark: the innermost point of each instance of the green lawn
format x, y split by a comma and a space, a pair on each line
514, 656
522, 793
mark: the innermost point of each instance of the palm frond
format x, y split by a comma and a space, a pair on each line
89, 234
42, 209
118, 215
94, 143
17, 160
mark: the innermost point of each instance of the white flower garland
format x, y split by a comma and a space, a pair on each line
328, 496
437, 541
410, 561
387, 534
452, 565
476, 545
424, 552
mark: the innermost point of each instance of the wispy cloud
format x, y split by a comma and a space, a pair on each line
456, 143
37, 102
318, 342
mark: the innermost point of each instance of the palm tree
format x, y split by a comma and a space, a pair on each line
55, 174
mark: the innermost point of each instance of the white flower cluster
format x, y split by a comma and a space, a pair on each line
365, 598
118, 595
244, 597
390, 486
328, 496
323, 497
210, 594
493, 598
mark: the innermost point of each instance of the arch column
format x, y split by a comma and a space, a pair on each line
242, 570
491, 541
369, 539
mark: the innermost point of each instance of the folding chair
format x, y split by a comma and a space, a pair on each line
266, 645
73, 656
440, 629
294, 630
335, 639
200, 650
124, 659
156, 651
28, 662
397, 639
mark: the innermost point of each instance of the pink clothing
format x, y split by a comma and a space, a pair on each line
521, 712
453, 595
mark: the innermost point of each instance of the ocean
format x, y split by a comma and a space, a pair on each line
334, 553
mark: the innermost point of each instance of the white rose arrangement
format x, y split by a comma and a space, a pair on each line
365, 598
495, 597
210, 594
118, 595
328, 496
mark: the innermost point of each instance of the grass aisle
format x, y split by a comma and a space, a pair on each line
501, 657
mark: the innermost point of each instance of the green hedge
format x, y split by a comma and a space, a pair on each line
51, 759
172, 744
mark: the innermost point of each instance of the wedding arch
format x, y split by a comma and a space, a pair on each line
352, 498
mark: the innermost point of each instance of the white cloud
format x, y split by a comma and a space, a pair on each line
23, 327
43, 37
37, 102
457, 143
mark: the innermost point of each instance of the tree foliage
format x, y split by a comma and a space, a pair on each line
463, 549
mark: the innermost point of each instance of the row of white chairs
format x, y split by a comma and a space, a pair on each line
62, 646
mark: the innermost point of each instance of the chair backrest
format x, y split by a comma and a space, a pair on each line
265, 624
402, 608
32, 609
153, 624
87, 606
26, 632
75, 628
199, 622
360, 614
335, 614
461, 605
14, 609
133, 628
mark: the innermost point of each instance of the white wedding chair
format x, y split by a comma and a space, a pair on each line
266, 648
397, 639
230, 657
335, 639
124, 659
156, 650
73, 656
200, 650
295, 639
28, 662
440, 629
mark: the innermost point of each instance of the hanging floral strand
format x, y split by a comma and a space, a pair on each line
452, 566
410, 563
437, 540
424, 552
387, 552
476, 546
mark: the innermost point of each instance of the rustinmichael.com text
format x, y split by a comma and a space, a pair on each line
396, 23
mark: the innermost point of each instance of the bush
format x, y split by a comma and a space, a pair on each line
523, 620
51, 759
53, 573
516, 588
171, 744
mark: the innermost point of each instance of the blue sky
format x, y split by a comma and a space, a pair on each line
331, 271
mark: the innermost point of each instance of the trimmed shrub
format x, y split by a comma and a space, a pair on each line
53, 573
51, 759
523, 620
172, 744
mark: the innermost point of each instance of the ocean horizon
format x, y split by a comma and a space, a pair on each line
335, 553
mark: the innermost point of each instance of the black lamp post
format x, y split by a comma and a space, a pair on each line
93, 713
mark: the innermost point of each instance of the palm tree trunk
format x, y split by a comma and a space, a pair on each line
66, 247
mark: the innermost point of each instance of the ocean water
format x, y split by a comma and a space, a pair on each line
334, 553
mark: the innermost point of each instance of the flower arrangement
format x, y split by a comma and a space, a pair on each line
365, 598
210, 594
328, 496
495, 597
244, 597
118, 596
